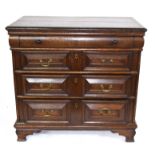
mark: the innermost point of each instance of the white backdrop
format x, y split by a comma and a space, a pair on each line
79, 142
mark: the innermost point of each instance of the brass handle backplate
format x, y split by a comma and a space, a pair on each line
107, 60
104, 111
46, 86
47, 113
44, 63
106, 88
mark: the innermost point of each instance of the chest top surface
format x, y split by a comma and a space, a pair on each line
44, 22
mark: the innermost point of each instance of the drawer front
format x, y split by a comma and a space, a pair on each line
53, 111
102, 111
109, 61
49, 85
76, 60
106, 86
118, 86
50, 60
41, 60
75, 41
43, 85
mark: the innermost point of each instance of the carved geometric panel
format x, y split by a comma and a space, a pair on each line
55, 111
47, 60
107, 86
104, 111
77, 60
44, 85
109, 61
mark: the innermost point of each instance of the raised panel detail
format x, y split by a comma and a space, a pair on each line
109, 61
54, 111
44, 85
51, 85
108, 86
77, 60
41, 60
103, 111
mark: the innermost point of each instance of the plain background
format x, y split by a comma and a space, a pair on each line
79, 142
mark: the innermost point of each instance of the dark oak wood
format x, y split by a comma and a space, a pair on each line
78, 73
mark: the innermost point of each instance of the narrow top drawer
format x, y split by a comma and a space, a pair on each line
79, 42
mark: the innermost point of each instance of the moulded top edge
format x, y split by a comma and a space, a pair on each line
45, 22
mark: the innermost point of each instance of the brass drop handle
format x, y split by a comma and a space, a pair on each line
104, 111
46, 86
47, 113
106, 89
107, 60
44, 63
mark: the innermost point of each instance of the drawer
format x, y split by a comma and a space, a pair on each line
42, 85
55, 111
105, 111
75, 60
50, 60
109, 61
75, 41
49, 85
41, 60
108, 86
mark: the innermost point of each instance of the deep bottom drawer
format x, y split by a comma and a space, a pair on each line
74, 112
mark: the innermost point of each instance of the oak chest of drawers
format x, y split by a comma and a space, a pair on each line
76, 73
